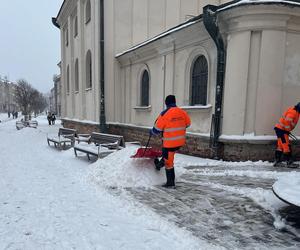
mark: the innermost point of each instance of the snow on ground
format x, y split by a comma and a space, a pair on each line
48, 202
4, 117
52, 200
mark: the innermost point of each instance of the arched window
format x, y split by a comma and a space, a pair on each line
76, 76
75, 26
145, 89
67, 36
88, 67
87, 11
68, 80
198, 94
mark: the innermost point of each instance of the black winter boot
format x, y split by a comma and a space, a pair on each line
278, 155
287, 157
170, 174
159, 164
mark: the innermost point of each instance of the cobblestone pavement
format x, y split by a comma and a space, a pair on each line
209, 207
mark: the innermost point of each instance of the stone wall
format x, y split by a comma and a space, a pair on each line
197, 145
81, 127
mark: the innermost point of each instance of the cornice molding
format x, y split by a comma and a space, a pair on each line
66, 11
258, 17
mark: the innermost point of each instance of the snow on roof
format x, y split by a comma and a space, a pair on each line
246, 2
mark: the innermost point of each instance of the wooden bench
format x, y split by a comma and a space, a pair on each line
100, 145
65, 136
32, 124
20, 125
23, 124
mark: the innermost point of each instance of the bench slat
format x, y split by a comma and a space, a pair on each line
100, 144
65, 136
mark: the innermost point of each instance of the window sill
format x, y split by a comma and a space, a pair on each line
197, 107
143, 108
88, 89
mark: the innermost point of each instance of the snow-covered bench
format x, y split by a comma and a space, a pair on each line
19, 125
100, 145
23, 124
65, 136
32, 124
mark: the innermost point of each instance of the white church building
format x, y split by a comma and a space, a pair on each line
234, 66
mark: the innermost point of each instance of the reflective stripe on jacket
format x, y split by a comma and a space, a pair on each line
289, 119
173, 124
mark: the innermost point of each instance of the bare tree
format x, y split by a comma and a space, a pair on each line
28, 98
40, 103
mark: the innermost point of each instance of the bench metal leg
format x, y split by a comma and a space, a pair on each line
75, 152
88, 157
48, 142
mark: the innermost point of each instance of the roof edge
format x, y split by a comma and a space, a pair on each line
61, 7
238, 3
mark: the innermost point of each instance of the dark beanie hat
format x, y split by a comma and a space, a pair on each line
170, 99
298, 107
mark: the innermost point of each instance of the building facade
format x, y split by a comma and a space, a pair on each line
54, 97
7, 99
233, 66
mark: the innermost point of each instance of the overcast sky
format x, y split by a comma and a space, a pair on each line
29, 42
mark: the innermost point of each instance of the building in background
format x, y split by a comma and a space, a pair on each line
7, 100
234, 66
51, 97
54, 97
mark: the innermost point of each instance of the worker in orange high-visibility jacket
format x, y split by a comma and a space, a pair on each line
285, 125
172, 123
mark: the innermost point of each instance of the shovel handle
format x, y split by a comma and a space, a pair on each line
147, 144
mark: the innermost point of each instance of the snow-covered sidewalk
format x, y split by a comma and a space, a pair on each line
52, 200
48, 201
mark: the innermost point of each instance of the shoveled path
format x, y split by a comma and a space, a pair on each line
216, 208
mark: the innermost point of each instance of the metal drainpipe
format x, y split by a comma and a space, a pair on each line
210, 23
103, 127
54, 22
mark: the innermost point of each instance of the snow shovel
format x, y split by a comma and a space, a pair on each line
147, 152
295, 139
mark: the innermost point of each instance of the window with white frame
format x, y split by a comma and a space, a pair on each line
66, 36
76, 76
145, 89
88, 67
75, 26
68, 80
88, 11
199, 79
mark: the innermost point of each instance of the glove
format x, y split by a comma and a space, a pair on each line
151, 132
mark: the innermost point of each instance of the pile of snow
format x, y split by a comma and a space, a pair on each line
119, 170
288, 189
185, 160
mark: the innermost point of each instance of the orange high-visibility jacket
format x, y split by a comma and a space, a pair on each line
289, 119
173, 124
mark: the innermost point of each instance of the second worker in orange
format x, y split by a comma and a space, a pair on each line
172, 123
